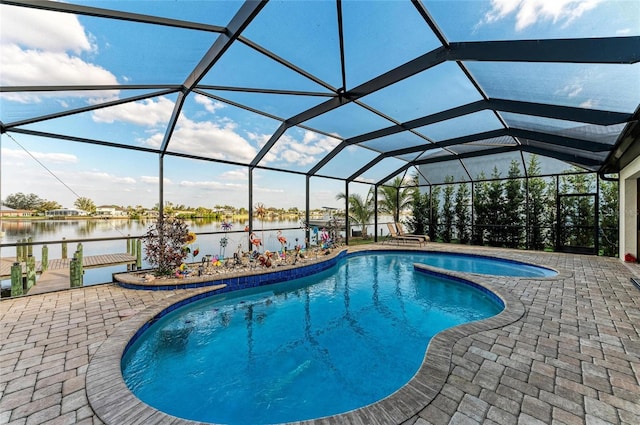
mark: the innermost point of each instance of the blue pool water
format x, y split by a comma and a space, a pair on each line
303, 349
483, 265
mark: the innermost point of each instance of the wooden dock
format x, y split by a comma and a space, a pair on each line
56, 277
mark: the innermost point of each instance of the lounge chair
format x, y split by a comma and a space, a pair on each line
393, 232
401, 232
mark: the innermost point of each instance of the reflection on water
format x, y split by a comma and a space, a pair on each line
78, 229
56, 230
71, 229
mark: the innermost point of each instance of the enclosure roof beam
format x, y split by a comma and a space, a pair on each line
511, 132
76, 9
81, 140
415, 66
433, 118
241, 20
453, 157
591, 116
364, 168
614, 50
286, 63
554, 139
395, 173
264, 91
582, 161
247, 12
88, 108
84, 87
567, 113
627, 147
621, 50
567, 157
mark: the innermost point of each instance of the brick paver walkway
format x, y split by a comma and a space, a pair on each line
572, 358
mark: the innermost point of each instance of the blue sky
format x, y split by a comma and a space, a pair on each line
47, 48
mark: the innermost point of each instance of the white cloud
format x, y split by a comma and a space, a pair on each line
270, 156
208, 103
44, 30
260, 139
46, 157
267, 190
293, 151
364, 180
207, 139
97, 176
42, 48
149, 179
293, 157
154, 180
623, 31
239, 174
213, 186
589, 104
148, 112
33, 67
530, 12
309, 137
571, 90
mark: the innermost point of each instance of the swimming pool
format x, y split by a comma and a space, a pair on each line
307, 348
483, 265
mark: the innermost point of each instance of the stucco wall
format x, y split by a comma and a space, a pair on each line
629, 208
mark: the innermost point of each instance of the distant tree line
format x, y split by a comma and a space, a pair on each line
32, 202
540, 213
534, 212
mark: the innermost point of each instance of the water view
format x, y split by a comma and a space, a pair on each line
209, 237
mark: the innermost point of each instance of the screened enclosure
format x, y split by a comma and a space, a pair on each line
290, 104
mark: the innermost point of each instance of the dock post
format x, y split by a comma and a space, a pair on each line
129, 251
80, 256
16, 279
64, 249
138, 254
20, 250
45, 258
31, 271
72, 272
29, 247
75, 271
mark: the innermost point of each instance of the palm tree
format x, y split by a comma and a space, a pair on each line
360, 210
395, 198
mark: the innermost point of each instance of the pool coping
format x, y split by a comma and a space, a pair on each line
114, 403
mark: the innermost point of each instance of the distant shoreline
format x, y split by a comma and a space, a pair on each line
234, 217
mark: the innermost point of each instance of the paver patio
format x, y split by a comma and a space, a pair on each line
573, 357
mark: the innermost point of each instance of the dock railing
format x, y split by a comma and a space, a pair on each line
23, 268
57, 255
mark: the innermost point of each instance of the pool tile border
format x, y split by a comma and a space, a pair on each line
114, 403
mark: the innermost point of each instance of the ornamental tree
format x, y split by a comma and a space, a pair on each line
163, 244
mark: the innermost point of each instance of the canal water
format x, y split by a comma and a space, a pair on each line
209, 237
208, 243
